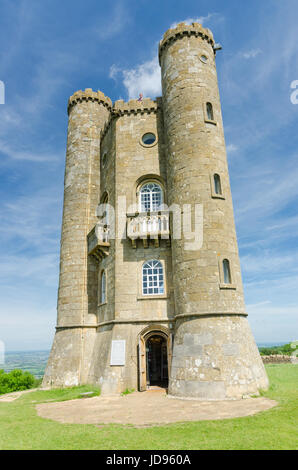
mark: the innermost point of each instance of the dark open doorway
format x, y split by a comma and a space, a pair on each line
157, 361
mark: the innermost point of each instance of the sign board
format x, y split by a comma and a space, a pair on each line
118, 353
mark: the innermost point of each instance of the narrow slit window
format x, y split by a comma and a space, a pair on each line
210, 114
217, 184
103, 287
104, 159
226, 271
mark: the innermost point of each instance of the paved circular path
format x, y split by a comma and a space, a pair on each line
7, 397
148, 408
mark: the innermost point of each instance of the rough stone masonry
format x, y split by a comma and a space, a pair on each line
184, 325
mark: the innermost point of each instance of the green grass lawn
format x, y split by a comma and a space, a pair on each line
21, 428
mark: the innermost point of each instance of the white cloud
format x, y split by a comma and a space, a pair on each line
286, 283
144, 78
8, 118
114, 71
39, 267
274, 323
33, 219
251, 54
289, 223
232, 148
251, 306
26, 154
201, 19
27, 324
115, 23
270, 263
269, 194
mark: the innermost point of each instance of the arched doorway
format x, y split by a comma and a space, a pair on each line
157, 361
154, 354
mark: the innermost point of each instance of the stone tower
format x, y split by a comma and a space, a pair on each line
215, 355
140, 302
88, 111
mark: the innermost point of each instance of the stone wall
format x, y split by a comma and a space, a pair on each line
127, 312
276, 359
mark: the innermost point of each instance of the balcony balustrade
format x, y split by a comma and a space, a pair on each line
146, 226
98, 241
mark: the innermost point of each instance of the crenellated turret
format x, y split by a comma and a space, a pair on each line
209, 348
88, 112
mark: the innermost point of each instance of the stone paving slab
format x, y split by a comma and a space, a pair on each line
148, 408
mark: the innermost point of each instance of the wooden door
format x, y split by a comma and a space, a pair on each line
170, 346
142, 365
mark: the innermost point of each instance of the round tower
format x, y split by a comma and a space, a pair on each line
214, 354
88, 112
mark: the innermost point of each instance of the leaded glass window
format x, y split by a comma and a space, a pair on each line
151, 197
153, 278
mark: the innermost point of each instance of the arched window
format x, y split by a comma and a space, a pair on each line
153, 278
209, 109
226, 271
217, 184
102, 287
151, 197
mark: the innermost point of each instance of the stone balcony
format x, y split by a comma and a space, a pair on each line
98, 241
148, 226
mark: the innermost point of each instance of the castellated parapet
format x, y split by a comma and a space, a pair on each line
89, 95
184, 30
145, 307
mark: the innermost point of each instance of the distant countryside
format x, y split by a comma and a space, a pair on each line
32, 361
35, 361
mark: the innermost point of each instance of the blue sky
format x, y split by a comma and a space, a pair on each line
50, 49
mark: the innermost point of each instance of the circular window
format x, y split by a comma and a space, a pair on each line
204, 58
149, 138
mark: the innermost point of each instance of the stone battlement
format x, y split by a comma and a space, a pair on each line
89, 95
181, 30
122, 108
134, 107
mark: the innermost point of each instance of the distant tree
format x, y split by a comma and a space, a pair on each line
286, 350
15, 380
